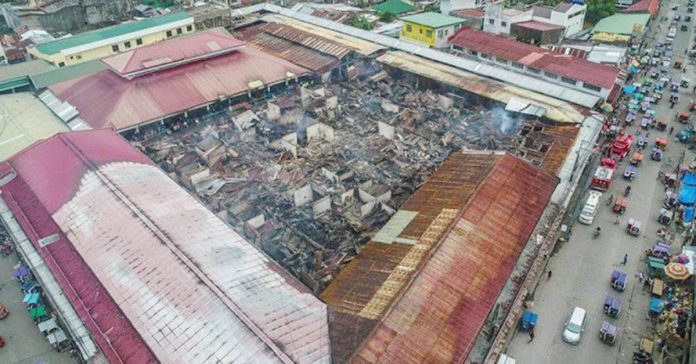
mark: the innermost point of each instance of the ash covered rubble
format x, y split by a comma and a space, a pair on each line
310, 175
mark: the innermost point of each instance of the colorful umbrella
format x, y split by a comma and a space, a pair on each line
681, 259
677, 271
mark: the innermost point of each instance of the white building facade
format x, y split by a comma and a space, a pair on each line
571, 16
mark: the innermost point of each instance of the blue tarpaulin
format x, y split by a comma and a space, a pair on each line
656, 305
633, 69
687, 195
630, 89
689, 179
688, 214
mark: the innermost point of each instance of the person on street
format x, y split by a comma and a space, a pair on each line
625, 259
548, 276
531, 335
671, 129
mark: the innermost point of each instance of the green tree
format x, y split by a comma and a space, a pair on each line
359, 21
601, 8
387, 17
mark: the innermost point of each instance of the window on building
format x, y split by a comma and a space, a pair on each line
139, 41
428, 33
533, 70
61, 64
127, 45
591, 87
473, 53
178, 30
517, 65
485, 56
440, 34
491, 21
568, 80
79, 57
501, 60
169, 33
551, 75
504, 23
189, 28
409, 28
114, 47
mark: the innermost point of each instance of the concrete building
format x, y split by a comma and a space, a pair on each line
21, 128
620, 28
534, 32
429, 29
111, 40
570, 16
566, 70
447, 6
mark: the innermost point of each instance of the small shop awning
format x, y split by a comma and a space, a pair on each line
37, 312
48, 326
31, 298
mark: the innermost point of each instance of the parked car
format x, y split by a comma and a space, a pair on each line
574, 326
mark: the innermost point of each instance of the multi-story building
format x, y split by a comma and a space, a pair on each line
430, 29
105, 42
566, 70
570, 16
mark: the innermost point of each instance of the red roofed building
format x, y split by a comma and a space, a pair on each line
566, 70
422, 289
644, 6
163, 80
140, 271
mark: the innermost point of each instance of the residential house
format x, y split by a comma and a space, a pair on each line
447, 6
430, 28
396, 7
563, 69
111, 40
570, 16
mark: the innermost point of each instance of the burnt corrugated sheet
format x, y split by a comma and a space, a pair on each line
309, 40
431, 298
297, 54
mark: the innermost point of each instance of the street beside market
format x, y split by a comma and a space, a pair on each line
581, 268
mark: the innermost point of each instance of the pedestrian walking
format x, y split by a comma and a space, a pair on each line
625, 259
671, 129
548, 276
531, 335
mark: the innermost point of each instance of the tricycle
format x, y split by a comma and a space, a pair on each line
612, 306
642, 142
528, 321
637, 158
661, 125
683, 117
661, 143
630, 117
633, 227
618, 280
630, 172
607, 333
620, 205
4, 312
665, 217
656, 154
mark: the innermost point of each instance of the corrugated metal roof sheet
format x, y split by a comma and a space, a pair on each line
26, 120
105, 99
643, 6
556, 110
560, 64
44, 79
474, 216
621, 24
160, 276
157, 56
432, 19
536, 25
317, 55
365, 40
24, 69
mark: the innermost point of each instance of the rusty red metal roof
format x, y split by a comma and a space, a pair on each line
304, 49
154, 275
162, 55
424, 296
105, 99
562, 65
643, 6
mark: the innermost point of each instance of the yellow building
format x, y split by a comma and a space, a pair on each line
430, 29
105, 42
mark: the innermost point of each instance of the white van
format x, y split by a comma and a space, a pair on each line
590, 209
672, 32
574, 326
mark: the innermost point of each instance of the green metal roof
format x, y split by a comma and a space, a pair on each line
12, 71
17, 82
59, 75
433, 20
395, 7
109, 32
621, 23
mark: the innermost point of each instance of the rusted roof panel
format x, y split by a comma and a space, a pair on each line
306, 39
563, 140
475, 214
299, 55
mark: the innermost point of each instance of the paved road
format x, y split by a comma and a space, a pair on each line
24, 344
582, 266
